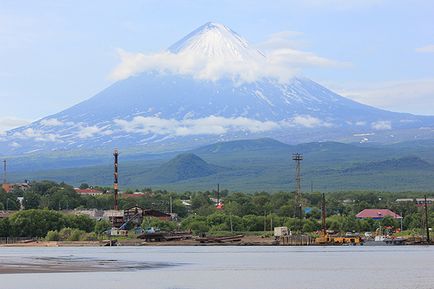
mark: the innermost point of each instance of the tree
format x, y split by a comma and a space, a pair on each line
160, 224
101, 226
31, 200
81, 222
35, 223
310, 226
5, 227
199, 227
8, 201
84, 186
199, 200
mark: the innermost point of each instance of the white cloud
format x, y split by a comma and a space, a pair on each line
281, 39
7, 123
37, 135
208, 125
212, 125
426, 49
282, 62
51, 122
309, 121
91, 131
14, 145
413, 96
288, 57
381, 125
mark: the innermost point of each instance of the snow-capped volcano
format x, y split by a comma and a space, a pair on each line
216, 41
196, 93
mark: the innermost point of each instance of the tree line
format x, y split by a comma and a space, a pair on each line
196, 210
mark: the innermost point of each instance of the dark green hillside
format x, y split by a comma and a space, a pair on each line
182, 167
405, 163
263, 164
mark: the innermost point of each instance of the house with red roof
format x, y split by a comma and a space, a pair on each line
377, 214
88, 192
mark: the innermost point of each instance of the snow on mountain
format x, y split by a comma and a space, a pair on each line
214, 40
160, 110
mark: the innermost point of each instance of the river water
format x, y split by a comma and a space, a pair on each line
234, 268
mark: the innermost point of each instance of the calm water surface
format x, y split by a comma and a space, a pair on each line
237, 268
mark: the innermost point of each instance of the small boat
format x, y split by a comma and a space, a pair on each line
225, 239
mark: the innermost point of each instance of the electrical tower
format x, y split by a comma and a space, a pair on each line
298, 158
115, 183
218, 194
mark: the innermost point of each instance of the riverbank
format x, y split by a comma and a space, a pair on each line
245, 241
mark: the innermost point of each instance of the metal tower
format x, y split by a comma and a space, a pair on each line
218, 194
323, 215
4, 172
115, 183
298, 158
426, 221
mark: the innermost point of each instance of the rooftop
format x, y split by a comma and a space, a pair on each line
377, 214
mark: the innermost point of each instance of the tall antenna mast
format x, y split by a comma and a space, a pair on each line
218, 194
4, 172
323, 215
115, 183
298, 158
426, 221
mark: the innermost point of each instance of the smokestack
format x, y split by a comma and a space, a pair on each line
115, 183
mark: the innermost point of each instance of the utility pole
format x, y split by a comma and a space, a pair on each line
298, 158
116, 183
426, 221
171, 205
265, 221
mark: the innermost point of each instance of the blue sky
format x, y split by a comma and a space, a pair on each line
54, 54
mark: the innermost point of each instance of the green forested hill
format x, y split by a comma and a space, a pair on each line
262, 164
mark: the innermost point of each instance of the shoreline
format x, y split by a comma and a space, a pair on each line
245, 241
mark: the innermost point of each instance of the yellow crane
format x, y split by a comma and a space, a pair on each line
326, 239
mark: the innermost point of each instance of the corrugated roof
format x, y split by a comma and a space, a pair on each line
377, 214
87, 191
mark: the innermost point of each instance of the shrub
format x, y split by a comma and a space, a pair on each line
89, 237
76, 235
52, 236
199, 227
102, 226
160, 224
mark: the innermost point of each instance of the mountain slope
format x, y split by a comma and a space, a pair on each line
264, 164
183, 167
171, 111
404, 164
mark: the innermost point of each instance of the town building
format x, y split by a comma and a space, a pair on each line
5, 214
88, 192
421, 202
404, 200
9, 187
377, 214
